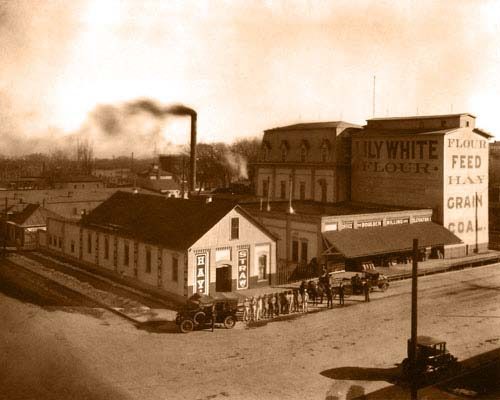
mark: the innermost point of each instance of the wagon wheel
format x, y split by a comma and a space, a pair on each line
229, 322
384, 287
199, 318
186, 326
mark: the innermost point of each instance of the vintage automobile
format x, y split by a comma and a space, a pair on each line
374, 278
377, 280
432, 360
199, 309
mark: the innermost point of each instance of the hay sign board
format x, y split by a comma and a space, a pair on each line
201, 273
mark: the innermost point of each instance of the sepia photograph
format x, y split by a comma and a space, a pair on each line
249, 199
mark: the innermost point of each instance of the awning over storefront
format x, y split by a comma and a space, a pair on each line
354, 243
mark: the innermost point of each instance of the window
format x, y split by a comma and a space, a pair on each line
323, 191
148, 260
126, 253
302, 190
283, 154
262, 266
467, 124
295, 250
303, 154
89, 242
283, 189
303, 252
106, 247
265, 188
72, 246
265, 153
175, 269
235, 228
324, 154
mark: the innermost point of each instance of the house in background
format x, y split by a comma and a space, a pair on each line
24, 222
77, 182
160, 181
180, 246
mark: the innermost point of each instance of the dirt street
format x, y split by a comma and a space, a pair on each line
55, 354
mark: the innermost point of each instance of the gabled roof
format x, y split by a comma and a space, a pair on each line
313, 125
483, 133
353, 243
173, 223
32, 215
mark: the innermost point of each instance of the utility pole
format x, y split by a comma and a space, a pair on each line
476, 250
414, 317
5, 228
373, 100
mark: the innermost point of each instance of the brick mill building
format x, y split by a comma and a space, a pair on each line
310, 160
438, 162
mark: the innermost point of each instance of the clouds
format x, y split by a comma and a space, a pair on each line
247, 66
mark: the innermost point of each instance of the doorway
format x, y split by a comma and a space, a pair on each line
223, 278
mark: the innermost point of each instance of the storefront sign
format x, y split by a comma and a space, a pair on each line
201, 273
398, 221
243, 269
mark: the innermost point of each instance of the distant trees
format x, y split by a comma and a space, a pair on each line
218, 164
85, 155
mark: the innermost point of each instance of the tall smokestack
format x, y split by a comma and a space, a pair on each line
192, 179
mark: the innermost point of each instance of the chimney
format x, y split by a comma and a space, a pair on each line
192, 180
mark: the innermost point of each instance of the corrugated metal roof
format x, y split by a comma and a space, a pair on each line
354, 243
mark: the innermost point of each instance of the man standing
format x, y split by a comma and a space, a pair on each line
329, 296
341, 293
214, 316
366, 289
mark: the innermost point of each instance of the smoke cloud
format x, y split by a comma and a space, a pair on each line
238, 164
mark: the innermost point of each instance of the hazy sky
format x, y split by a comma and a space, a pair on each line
244, 66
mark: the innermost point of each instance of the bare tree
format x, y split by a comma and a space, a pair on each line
85, 155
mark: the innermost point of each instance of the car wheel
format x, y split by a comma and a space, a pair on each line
229, 322
186, 326
384, 287
199, 318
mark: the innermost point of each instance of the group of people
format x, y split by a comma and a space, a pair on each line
292, 301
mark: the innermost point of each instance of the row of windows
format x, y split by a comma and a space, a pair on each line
302, 190
304, 153
55, 241
126, 256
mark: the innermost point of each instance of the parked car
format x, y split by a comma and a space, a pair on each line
199, 309
432, 359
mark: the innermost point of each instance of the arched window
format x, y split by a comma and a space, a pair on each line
265, 150
303, 154
325, 150
304, 150
284, 150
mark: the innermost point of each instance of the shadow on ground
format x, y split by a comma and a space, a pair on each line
362, 374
